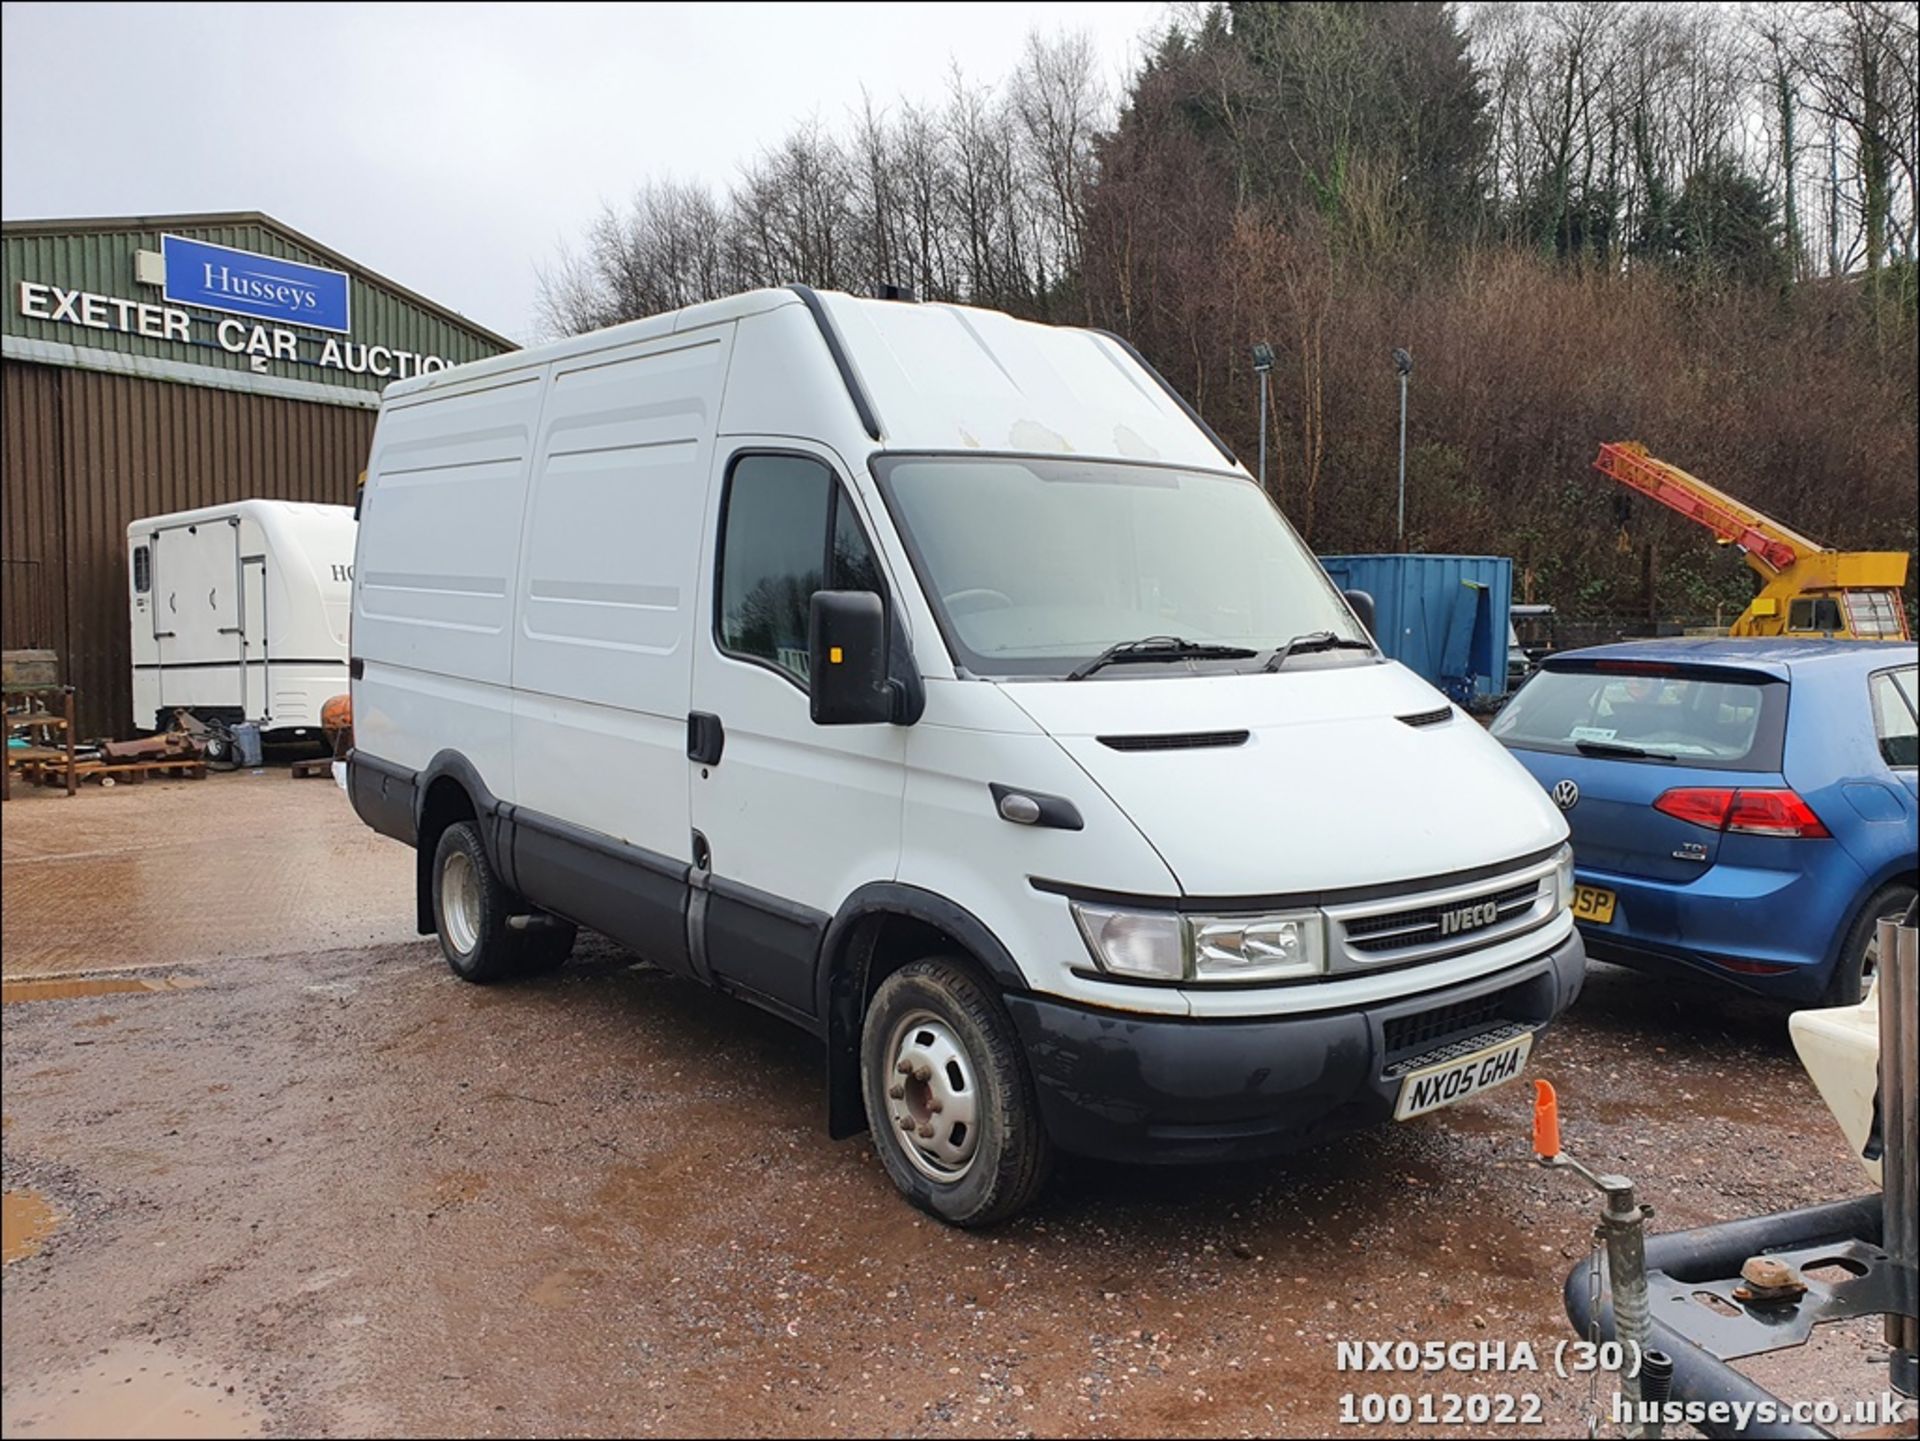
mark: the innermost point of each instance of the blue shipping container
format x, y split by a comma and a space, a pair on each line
1442, 616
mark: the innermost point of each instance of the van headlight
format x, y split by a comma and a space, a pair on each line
1563, 875
1258, 948
1161, 946
1130, 943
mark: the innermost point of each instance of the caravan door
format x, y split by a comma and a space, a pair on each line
196, 612
253, 637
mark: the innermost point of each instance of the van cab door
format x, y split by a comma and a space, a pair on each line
788, 817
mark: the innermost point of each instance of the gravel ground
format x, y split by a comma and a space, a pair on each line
335, 1191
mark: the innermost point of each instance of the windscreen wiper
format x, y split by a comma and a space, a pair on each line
1615, 748
1158, 647
1312, 641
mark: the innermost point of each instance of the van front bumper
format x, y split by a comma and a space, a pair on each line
1128, 1087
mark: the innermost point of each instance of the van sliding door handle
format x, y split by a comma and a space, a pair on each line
706, 738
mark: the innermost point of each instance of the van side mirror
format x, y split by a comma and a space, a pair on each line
847, 659
1362, 604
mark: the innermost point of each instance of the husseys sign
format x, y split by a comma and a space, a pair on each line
218, 277
261, 288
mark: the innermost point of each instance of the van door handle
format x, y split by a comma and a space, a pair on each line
706, 738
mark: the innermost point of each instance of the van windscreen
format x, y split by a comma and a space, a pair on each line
1036, 565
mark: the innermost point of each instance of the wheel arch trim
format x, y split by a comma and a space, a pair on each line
840, 981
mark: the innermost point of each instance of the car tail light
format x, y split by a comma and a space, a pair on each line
1773, 813
1743, 812
1699, 805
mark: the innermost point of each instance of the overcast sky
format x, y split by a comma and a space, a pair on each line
452, 147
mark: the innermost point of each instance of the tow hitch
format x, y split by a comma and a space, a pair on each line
1685, 1304
1645, 1372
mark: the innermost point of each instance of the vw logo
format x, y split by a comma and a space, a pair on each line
1566, 795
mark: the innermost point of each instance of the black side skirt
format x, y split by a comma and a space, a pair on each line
635, 896
761, 946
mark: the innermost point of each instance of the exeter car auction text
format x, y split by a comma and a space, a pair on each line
237, 337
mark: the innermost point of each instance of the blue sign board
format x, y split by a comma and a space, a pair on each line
263, 286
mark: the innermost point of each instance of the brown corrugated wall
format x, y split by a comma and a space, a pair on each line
33, 604
88, 453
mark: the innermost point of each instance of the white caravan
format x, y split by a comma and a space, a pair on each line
239, 613
942, 683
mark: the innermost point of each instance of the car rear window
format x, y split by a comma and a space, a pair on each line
1894, 704
1731, 723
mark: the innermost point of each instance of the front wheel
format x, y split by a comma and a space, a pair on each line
949, 1099
1860, 955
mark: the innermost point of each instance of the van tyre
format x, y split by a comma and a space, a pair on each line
470, 910
949, 1098
1859, 955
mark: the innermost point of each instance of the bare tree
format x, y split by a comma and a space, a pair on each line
1057, 96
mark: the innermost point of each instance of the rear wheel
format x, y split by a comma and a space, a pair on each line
1860, 955
471, 906
949, 1099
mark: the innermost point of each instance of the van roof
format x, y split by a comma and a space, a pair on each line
931, 376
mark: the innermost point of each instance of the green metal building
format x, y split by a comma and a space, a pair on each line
159, 363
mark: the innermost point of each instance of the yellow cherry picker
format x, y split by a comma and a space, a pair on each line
1805, 589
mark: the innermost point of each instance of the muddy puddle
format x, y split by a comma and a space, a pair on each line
130, 1390
70, 989
82, 897
26, 1221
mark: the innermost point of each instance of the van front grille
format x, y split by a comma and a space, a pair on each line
1377, 935
1428, 922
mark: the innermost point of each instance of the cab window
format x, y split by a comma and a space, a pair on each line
787, 530
1818, 614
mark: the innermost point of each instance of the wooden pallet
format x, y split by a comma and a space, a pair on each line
47, 773
28, 712
323, 765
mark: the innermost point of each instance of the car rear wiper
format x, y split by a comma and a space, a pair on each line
1311, 641
1158, 647
1615, 748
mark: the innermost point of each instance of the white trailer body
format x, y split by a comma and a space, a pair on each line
239, 613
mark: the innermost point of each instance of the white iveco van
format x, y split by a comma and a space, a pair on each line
942, 683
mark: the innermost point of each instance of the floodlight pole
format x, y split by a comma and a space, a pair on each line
1403, 362
1402, 530
1263, 430
1262, 366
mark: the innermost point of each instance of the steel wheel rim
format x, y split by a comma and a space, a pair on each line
460, 901
932, 1097
1870, 953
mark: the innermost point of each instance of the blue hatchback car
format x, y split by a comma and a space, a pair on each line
1742, 809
